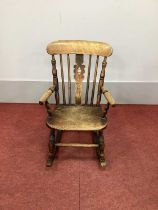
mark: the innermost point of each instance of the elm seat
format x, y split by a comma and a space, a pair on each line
79, 47
81, 118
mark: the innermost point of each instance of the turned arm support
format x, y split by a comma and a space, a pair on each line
46, 95
108, 97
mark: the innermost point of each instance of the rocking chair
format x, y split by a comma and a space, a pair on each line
82, 115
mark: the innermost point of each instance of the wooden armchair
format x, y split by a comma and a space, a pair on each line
78, 116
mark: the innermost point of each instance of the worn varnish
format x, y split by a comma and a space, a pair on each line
79, 47
85, 115
77, 118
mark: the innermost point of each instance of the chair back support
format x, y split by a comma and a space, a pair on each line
98, 50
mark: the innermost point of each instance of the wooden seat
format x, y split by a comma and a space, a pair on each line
83, 113
81, 118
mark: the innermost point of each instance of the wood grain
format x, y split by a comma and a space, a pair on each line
79, 47
75, 145
69, 78
101, 81
78, 76
94, 80
79, 117
62, 78
46, 95
108, 97
88, 78
55, 79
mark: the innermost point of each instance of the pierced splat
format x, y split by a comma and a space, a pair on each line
78, 76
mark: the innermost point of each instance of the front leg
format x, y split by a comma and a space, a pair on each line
52, 148
58, 136
100, 149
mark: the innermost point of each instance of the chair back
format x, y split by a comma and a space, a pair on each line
89, 51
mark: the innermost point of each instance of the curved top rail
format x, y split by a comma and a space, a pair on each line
79, 47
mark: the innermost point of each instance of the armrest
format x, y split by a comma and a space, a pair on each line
46, 95
108, 97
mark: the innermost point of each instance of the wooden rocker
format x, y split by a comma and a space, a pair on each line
82, 114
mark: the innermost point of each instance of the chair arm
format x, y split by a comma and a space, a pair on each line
46, 95
108, 97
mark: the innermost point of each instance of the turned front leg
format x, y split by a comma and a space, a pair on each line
52, 148
100, 149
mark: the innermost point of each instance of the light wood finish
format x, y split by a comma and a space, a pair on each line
83, 118
79, 47
78, 76
101, 81
99, 139
69, 78
62, 78
55, 79
75, 145
78, 117
108, 97
88, 78
94, 80
46, 95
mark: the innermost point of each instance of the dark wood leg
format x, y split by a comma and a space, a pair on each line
58, 136
99, 138
101, 148
53, 139
52, 148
